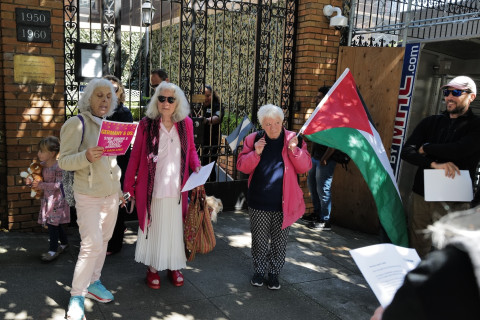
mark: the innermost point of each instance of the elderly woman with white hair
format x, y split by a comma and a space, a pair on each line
272, 158
162, 155
96, 188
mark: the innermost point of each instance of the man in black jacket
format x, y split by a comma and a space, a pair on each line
449, 141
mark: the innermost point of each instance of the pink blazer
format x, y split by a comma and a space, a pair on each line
136, 176
295, 162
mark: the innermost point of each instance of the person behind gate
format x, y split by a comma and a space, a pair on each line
162, 155
272, 160
320, 179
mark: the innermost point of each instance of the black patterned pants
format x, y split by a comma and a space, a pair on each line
269, 241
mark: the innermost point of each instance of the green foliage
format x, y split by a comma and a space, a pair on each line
165, 50
230, 50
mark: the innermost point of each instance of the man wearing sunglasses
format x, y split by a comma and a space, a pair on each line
448, 141
156, 77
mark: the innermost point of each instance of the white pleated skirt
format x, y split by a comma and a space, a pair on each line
164, 248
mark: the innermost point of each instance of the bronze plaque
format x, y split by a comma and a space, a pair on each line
33, 69
198, 98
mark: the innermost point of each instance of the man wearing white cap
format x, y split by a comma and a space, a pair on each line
448, 141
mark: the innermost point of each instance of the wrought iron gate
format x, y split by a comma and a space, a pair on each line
242, 48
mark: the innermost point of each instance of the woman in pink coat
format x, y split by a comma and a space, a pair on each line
158, 168
272, 157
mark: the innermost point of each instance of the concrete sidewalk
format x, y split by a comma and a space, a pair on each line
319, 279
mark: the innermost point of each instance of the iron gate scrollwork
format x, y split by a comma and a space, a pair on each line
243, 49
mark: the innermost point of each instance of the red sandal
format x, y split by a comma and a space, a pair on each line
176, 277
151, 277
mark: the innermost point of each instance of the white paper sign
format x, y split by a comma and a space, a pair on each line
384, 266
198, 179
438, 187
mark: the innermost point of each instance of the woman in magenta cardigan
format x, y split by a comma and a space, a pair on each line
158, 168
272, 157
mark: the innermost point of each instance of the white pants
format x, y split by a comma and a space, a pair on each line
96, 219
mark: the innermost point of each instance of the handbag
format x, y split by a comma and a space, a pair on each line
67, 187
67, 176
198, 233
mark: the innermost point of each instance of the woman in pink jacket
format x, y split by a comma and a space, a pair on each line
158, 168
275, 200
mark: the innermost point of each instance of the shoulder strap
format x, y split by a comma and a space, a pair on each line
259, 135
83, 126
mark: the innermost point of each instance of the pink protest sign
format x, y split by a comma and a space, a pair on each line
115, 137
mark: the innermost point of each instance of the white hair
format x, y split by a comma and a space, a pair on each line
182, 107
84, 104
462, 230
456, 224
269, 111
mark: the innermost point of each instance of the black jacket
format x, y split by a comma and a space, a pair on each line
442, 287
444, 140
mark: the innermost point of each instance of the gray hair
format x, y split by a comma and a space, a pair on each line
465, 224
269, 111
182, 107
462, 230
84, 103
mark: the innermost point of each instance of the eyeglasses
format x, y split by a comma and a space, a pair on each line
169, 99
454, 92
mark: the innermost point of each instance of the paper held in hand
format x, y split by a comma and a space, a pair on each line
115, 137
384, 266
438, 187
198, 179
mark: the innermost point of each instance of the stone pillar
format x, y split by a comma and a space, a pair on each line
29, 110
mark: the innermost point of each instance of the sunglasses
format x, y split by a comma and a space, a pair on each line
169, 99
454, 92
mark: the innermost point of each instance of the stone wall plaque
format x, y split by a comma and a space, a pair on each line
33, 25
29, 69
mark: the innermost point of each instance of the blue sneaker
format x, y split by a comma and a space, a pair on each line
76, 308
97, 291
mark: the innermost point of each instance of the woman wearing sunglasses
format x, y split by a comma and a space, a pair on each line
163, 155
449, 141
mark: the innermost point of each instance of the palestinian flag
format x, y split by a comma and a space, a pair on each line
342, 121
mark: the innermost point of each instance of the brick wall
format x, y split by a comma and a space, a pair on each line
315, 63
3, 167
28, 112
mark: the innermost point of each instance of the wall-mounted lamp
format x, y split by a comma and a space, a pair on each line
338, 20
147, 12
